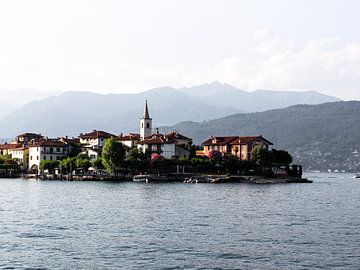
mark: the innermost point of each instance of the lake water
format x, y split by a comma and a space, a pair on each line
96, 225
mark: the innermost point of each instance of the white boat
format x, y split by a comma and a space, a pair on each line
141, 178
357, 175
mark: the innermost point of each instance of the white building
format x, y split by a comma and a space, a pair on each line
46, 149
145, 124
94, 139
19, 154
129, 140
169, 145
172, 145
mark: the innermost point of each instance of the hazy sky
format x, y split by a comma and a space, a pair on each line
130, 46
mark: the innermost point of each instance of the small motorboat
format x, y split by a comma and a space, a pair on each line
357, 175
141, 178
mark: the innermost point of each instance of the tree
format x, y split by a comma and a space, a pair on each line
6, 159
113, 155
136, 154
261, 156
83, 163
68, 164
281, 157
49, 165
98, 163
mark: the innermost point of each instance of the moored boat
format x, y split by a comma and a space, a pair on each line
357, 175
142, 178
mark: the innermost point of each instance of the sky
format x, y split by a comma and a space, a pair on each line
130, 46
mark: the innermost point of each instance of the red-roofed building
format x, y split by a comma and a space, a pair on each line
169, 145
234, 145
129, 140
5, 149
94, 139
46, 149
27, 137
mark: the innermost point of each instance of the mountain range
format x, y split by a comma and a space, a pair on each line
320, 137
70, 113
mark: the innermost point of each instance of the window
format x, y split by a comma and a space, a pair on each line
50, 157
147, 125
37, 157
142, 125
58, 158
57, 149
30, 157
44, 157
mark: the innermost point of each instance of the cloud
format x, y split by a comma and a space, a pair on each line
328, 65
271, 63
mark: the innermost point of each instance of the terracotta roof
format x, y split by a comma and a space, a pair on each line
219, 140
69, 140
248, 139
96, 134
6, 146
48, 142
154, 139
173, 135
129, 137
158, 138
234, 140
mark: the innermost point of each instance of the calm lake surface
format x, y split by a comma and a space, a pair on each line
96, 225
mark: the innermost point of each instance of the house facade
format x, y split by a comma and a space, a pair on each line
6, 148
238, 146
172, 145
20, 154
46, 149
129, 140
94, 139
27, 137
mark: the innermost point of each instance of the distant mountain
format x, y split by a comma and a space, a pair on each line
12, 100
257, 101
321, 137
73, 112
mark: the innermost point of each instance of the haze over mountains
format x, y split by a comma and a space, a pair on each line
12, 100
73, 112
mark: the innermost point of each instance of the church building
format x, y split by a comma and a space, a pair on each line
171, 145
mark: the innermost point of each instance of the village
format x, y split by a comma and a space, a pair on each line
146, 156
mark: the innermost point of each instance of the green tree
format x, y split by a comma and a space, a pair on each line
136, 154
49, 165
68, 164
261, 156
2, 159
113, 155
281, 157
83, 163
98, 163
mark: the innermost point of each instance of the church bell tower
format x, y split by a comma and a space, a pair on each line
145, 123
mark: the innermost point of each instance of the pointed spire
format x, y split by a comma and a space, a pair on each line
146, 111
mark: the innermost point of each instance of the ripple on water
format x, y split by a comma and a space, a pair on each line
94, 225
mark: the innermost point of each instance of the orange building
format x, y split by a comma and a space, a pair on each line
234, 145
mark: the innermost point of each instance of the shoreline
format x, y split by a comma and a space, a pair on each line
180, 178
